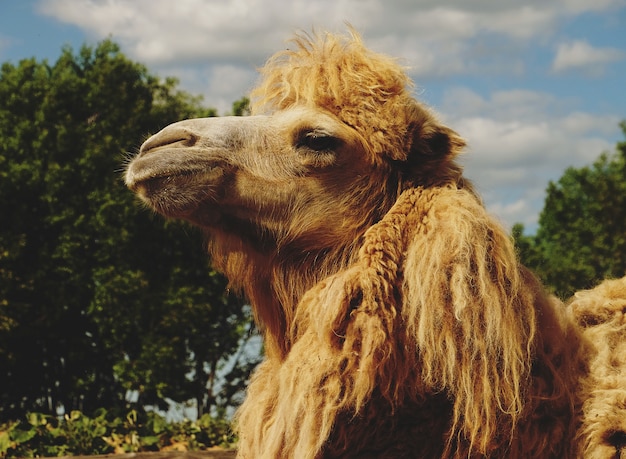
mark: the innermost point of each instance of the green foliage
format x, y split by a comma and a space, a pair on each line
41, 435
100, 301
581, 237
241, 107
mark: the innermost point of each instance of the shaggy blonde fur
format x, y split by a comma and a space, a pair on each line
397, 319
434, 305
601, 312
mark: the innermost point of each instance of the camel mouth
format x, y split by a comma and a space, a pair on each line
173, 190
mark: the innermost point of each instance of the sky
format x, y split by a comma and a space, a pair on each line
534, 87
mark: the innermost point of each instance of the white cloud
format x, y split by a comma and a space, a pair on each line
583, 6
434, 38
520, 211
518, 141
220, 84
161, 31
580, 55
244, 31
5, 42
524, 22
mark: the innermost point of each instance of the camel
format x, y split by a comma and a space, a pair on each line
397, 320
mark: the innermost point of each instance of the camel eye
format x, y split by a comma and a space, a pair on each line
318, 141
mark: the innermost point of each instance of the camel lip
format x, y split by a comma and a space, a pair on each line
161, 164
155, 179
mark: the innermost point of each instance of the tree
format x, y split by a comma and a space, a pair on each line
241, 107
581, 237
99, 299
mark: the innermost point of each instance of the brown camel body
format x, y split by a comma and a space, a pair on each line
397, 319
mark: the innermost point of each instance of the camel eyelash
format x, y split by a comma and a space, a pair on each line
317, 141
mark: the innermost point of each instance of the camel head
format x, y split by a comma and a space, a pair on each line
285, 195
294, 177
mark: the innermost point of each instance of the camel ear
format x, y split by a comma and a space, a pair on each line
430, 140
427, 139
430, 149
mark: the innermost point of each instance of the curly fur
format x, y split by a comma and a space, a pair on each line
459, 324
436, 303
601, 312
397, 319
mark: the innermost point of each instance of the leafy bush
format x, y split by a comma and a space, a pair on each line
75, 433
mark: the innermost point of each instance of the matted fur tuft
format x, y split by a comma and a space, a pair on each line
420, 314
340, 75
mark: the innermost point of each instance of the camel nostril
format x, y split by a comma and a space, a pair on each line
191, 140
169, 137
